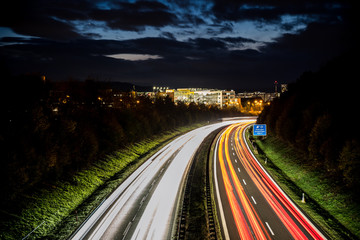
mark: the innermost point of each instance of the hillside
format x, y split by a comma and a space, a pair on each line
318, 116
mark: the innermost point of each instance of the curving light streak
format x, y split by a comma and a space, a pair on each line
252, 217
239, 218
145, 205
247, 220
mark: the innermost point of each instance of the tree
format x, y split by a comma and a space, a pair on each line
349, 163
319, 135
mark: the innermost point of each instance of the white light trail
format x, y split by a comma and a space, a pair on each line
157, 197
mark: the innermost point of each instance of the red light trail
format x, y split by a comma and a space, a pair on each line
246, 216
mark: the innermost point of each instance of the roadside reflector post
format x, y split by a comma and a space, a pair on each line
303, 198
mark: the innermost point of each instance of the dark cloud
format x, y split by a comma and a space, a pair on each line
245, 10
208, 44
215, 56
34, 18
197, 62
144, 6
133, 21
237, 40
274, 11
53, 29
135, 16
50, 19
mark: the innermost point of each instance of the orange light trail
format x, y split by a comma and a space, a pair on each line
246, 218
252, 217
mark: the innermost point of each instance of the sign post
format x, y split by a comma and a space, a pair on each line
259, 130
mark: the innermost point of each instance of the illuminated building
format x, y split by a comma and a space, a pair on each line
220, 98
185, 95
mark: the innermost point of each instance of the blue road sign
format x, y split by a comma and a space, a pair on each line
259, 130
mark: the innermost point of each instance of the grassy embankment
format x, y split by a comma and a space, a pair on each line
60, 208
326, 204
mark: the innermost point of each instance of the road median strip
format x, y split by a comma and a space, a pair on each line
197, 217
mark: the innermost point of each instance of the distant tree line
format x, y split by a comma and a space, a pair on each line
319, 116
46, 139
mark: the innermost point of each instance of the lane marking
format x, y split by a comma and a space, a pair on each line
126, 230
244, 181
271, 231
238, 169
221, 210
253, 199
235, 160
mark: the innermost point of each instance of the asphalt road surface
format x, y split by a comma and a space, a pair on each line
250, 204
145, 205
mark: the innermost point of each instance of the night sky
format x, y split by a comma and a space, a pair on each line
243, 45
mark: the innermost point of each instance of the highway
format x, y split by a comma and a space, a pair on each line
145, 205
250, 205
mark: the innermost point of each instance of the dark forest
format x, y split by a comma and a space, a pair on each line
49, 131
319, 117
